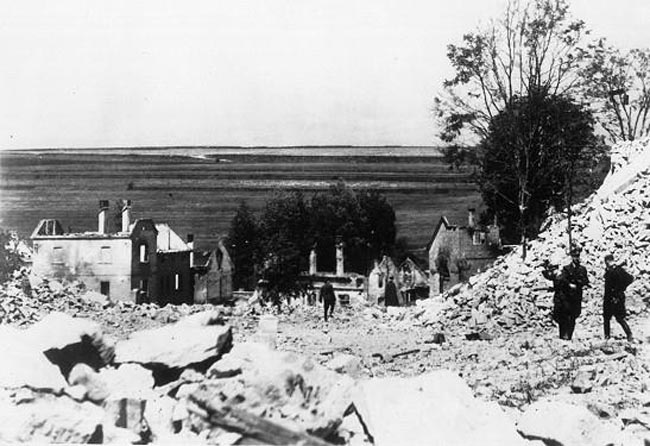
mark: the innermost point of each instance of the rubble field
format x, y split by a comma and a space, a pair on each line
481, 364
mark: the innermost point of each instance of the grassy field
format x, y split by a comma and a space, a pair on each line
200, 191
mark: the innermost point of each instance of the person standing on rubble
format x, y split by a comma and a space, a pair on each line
390, 294
575, 276
616, 281
328, 298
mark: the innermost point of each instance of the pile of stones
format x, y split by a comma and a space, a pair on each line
25, 301
513, 295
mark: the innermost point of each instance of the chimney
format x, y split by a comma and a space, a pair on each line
190, 244
312, 262
102, 222
126, 215
470, 218
339, 258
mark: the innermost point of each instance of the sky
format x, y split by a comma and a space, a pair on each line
122, 73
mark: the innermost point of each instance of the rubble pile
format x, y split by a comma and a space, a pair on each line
64, 380
513, 295
97, 390
23, 303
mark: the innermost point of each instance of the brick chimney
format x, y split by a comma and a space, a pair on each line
312, 262
102, 219
190, 244
470, 218
126, 215
339, 258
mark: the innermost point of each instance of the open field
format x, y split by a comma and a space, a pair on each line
199, 192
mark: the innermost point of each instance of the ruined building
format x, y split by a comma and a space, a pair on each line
213, 271
347, 285
458, 251
142, 262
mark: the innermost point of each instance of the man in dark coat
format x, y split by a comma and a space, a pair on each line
328, 298
390, 294
616, 281
575, 276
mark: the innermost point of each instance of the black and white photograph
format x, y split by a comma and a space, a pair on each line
325, 222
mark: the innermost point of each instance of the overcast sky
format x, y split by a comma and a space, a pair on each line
81, 73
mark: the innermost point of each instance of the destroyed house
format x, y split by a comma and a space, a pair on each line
212, 271
414, 280
379, 276
142, 262
458, 251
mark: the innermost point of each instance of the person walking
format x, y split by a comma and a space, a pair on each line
576, 279
616, 281
328, 298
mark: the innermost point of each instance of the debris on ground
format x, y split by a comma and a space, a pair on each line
481, 364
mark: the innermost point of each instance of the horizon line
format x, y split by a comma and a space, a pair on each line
163, 147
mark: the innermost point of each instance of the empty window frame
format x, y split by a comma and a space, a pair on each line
478, 238
144, 253
144, 287
57, 255
105, 255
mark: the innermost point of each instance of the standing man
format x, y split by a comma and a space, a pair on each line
328, 298
616, 281
576, 279
390, 294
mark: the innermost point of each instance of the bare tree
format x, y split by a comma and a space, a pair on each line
532, 47
617, 85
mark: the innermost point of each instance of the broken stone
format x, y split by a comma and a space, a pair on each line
226, 367
347, 364
127, 413
51, 419
583, 382
67, 341
565, 424
158, 413
167, 349
436, 407
76, 392
127, 381
96, 389
482, 336
24, 364
94, 297
304, 394
119, 435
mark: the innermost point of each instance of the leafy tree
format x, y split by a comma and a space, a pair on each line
532, 47
532, 150
285, 240
277, 245
244, 246
335, 213
10, 260
364, 221
617, 84
378, 229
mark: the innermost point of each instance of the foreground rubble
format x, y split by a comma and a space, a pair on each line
335, 390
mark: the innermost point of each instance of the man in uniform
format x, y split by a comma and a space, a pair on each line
575, 276
616, 281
